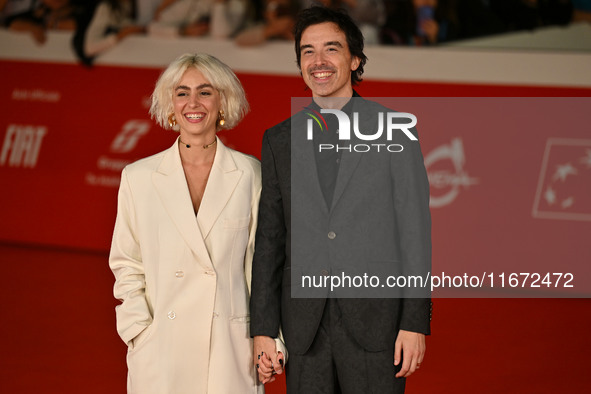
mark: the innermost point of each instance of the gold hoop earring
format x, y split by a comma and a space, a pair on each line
221, 118
171, 120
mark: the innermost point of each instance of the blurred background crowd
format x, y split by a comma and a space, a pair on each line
98, 25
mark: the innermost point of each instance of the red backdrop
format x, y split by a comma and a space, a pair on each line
67, 131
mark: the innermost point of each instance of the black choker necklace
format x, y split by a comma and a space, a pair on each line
204, 146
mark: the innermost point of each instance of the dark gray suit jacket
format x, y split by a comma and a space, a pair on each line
379, 217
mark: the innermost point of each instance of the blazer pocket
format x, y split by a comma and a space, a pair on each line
141, 338
236, 224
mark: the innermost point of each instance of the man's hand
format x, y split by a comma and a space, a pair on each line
413, 346
269, 362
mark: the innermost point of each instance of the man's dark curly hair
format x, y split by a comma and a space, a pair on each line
316, 15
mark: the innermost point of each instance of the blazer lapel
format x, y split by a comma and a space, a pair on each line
349, 162
171, 185
304, 170
223, 179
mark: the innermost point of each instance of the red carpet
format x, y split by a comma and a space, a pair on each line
58, 335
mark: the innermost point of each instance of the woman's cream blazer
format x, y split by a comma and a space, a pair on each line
184, 279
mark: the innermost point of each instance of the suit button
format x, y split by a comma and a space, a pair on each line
210, 273
324, 272
332, 235
179, 274
171, 315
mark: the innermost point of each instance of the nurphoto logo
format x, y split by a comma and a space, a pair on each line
385, 123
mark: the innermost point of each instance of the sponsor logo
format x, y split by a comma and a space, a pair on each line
447, 176
129, 136
22, 144
564, 185
36, 95
108, 169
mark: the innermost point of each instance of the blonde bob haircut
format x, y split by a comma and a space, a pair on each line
218, 74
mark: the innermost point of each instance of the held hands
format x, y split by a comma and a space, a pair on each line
413, 346
268, 361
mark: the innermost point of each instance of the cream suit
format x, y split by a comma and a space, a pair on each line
183, 279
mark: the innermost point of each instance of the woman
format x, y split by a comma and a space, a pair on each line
184, 239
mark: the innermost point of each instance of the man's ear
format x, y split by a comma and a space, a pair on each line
355, 62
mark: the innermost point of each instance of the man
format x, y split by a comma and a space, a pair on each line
348, 345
